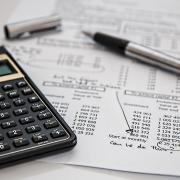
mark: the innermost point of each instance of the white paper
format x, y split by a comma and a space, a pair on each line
125, 114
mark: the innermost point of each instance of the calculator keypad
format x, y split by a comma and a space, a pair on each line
20, 111
44, 115
13, 94
4, 105
33, 129
1, 137
39, 138
8, 124
25, 120
21, 84
20, 142
2, 97
14, 133
33, 99
57, 133
7, 87
4, 147
19, 102
4, 115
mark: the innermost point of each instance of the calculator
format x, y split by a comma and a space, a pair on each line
29, 124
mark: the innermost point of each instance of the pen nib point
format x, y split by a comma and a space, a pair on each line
88, 33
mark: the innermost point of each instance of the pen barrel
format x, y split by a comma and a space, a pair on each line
153, 57
111, 42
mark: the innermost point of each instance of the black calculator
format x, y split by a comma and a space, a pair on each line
29, 125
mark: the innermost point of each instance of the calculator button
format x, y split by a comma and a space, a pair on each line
58, 133
4, 147
13, 94
14, 133
44, 115
39, 138
1, 137
38, 107
26, 120
4, 115
8, 124
51, 124
20, 142
27, 91
19, 102
33, 99
20, 111
7, 87
21, 84
2, 97
4, 105
33, 129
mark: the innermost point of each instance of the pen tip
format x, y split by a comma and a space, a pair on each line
88, 33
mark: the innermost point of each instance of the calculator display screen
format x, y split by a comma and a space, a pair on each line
6, 68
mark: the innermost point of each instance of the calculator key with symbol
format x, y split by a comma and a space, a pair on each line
29, 125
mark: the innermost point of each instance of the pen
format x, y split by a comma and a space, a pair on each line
31, 27
137, 51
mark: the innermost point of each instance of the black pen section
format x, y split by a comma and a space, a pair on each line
114, 43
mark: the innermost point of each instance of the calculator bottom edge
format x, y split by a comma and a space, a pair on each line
33, 155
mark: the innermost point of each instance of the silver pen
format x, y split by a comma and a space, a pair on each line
137, 51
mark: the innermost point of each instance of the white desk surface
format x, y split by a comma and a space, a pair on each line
39, 170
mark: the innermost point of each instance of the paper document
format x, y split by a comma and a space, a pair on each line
126, 114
